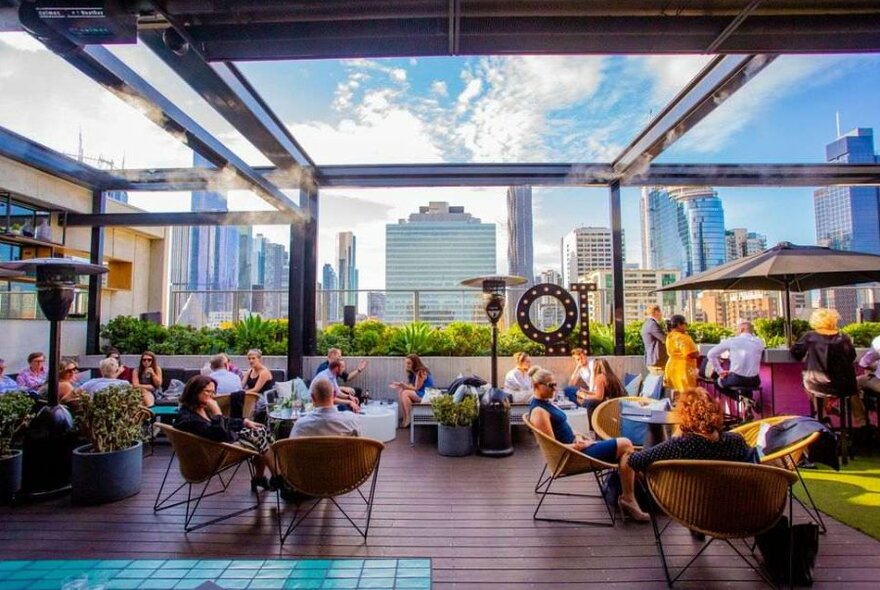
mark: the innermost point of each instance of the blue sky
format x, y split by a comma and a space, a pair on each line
477, 109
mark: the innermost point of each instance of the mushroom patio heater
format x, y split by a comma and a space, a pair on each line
494, 435
49, 439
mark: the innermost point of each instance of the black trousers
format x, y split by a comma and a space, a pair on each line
734, 380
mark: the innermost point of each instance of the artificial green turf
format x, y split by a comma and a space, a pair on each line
852, 495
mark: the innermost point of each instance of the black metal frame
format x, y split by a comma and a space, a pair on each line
298, 520
753, 562
812, 510
162, 503
543, 485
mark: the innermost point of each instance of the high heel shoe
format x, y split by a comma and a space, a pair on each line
631, 509
259, 481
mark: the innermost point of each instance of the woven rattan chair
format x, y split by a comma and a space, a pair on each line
605, 421
787, 458
250, 402
325, 467
200, 461
562, 461
721, 499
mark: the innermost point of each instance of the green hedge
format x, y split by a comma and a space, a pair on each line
373, 338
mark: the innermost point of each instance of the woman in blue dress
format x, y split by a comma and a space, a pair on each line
418, 377
552, 421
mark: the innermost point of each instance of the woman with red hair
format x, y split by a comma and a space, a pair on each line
701, 435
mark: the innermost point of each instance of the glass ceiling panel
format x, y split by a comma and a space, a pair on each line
787, 113
165, 80
470, 109
47, 100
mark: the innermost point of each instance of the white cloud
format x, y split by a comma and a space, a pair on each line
439, 88
397, 74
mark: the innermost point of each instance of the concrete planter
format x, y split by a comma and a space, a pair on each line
455, 441
10, 476
98, 478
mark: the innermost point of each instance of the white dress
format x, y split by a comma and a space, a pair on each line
519, 385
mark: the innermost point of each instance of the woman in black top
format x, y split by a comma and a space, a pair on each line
701, 435
829, 355
200, 415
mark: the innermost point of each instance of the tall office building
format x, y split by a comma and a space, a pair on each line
550, 276
376, 305
520, 250
330, 295
436, 248
742, 243
639, 293
585, 249
346, 268
848, 217
682, 227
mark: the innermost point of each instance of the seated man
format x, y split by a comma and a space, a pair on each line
109, 368
580, 382
227, 381
7, 384
745, 351
345, 400
33, 378
325, 419
335, 354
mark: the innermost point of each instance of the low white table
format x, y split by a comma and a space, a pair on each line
379, 421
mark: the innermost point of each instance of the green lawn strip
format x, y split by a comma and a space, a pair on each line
852, 495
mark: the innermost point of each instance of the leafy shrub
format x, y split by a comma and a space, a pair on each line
16, 410
772, 332
132, 335
415, 338
111, 419
469, 339
632, 338
513, 340
862, 334
449, 413
370, 339
336, 336
706, 333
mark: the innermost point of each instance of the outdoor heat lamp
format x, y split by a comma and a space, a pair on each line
493, 295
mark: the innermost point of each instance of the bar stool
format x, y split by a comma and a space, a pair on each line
845, 429
745, 403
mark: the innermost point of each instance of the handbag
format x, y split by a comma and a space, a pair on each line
774, 544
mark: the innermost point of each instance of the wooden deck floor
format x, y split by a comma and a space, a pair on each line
471, 516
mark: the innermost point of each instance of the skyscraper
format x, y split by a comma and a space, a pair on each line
436, 248
585, 249
682, 227
848, 217
346, 268
330, 297
520, 251
742, 243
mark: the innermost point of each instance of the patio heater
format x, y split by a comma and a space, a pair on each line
49, 439
494, 430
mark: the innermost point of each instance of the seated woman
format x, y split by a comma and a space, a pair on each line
701, 435
549, 419
258, 379
148, 377
200, 415
67, 375
517, 381
418, 377
606, 385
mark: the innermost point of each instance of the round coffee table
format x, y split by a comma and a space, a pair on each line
379, 421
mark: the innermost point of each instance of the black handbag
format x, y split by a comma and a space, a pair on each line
773, 546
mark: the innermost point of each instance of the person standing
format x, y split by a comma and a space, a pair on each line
654, 339
681, 368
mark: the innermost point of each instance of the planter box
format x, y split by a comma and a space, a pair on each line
455, 441
98, 478
10, 476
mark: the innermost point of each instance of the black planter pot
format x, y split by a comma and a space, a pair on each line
455, 441
98, 478
10, 477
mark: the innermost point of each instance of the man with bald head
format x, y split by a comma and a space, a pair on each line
325, 419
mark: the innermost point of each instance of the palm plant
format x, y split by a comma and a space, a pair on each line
415, 338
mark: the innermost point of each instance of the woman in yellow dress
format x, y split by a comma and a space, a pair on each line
681, 368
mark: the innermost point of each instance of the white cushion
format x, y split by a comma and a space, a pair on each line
431, 393
632, 388
284, 389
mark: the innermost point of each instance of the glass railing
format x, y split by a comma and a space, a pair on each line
23, 305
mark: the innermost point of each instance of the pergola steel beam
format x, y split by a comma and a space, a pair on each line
227, 90
714, 84
103, 67
181, 218
21, 149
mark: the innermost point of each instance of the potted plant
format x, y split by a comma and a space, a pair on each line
454, 431
109, 468
16, 410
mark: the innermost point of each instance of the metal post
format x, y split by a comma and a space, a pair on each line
309, 202
494, 356
416, 306
295, 301
54, 361
617, 266
96, 256
789, 337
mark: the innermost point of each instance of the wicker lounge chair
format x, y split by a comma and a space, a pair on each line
325, 467
605, 421
562, 462
200, 461
787, 458
250, 402
721, 499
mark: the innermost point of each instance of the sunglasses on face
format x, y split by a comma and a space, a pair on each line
146, 360
551, 385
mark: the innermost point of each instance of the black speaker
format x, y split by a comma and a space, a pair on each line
349, 316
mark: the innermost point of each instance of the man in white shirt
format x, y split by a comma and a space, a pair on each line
227, 381
331, 374
325, 419
109, 368
745, 351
